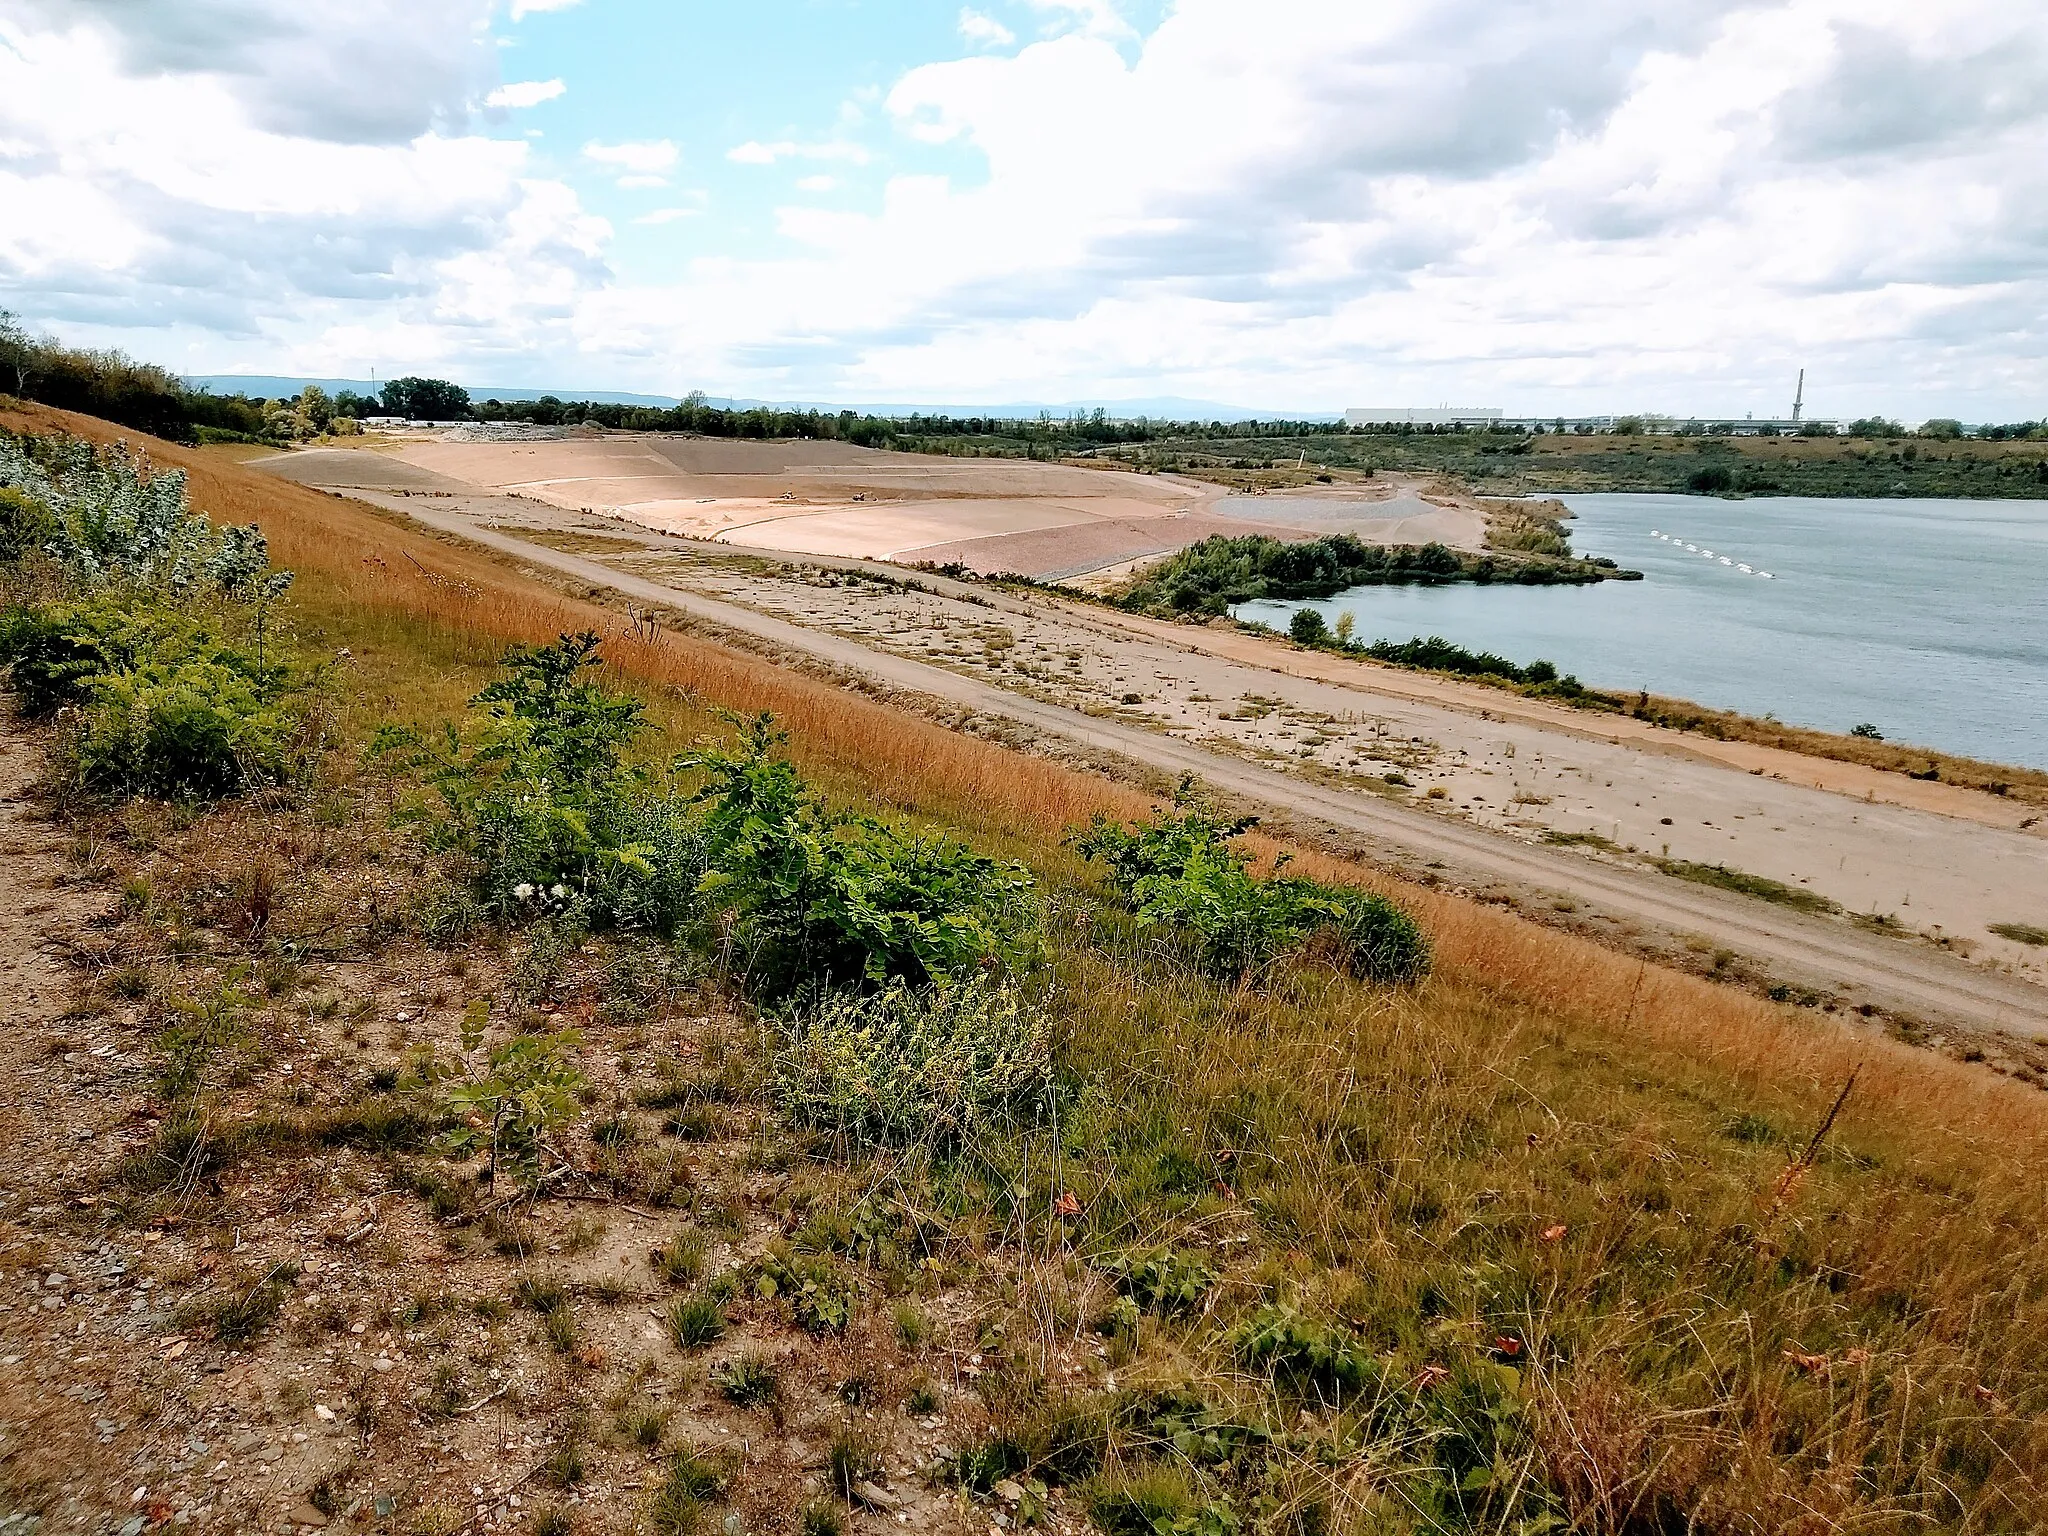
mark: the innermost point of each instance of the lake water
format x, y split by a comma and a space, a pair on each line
1928, 619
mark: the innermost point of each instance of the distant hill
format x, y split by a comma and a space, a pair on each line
1163, 407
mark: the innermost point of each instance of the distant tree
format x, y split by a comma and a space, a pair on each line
1629, 426
348, 403
20, 355
426, 399
315, 409
1308, 627
1867, 731
1944, 428
1875, 426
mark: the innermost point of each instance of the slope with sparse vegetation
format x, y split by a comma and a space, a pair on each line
546, 1081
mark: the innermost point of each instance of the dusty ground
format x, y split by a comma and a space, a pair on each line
1050, 521
392, 1380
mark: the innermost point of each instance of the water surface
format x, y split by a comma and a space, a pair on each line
1928, 619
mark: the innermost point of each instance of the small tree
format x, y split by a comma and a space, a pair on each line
20, 355
1308, 627
510, 1097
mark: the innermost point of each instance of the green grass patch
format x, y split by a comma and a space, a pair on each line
1762, 887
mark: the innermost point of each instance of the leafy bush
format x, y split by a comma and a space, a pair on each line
1308, 1355
117, 521
900, 1065
1161, 1280
543, 809
191, 731
818, 898
160, 639
821, 1298
1307, 627
1181, 875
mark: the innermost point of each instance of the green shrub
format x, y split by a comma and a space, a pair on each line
189, 731
1308, 627
509, 1096
820, 898
934, 1066
820, 1296
119, 522
541, 806
1308, 1355
1182, 876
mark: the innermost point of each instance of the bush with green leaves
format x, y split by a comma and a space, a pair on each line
1163, 1280
113, 519
506, 1098
26, 524
938, 1065
817, 898
540, 806
191, 731
150, 625
1182, 876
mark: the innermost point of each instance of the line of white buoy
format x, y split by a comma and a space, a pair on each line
1676, 542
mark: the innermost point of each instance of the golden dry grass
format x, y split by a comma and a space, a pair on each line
351, 556
1716, 1342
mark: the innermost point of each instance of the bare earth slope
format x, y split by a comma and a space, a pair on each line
990, 515
1550, 807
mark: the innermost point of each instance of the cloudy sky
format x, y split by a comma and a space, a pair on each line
1549, 205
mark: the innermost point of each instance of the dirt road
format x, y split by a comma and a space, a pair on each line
1899, 975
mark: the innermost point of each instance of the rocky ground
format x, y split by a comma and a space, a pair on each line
303, 1315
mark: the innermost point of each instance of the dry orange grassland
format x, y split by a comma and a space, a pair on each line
1602, 1159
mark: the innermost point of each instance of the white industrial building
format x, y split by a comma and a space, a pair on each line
1403, 416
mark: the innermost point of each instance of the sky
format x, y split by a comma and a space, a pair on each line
1552, 206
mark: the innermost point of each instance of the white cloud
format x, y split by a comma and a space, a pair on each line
756, 153
521, 9
816, 183
525, 93
984, 31
1559, 204
646, 157
1090, 18
178, 212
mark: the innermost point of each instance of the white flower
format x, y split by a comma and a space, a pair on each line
523, 891
559, 892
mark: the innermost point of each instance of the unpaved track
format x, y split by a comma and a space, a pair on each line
1900, 976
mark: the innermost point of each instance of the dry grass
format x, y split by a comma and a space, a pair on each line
1549, 1143
397, 586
